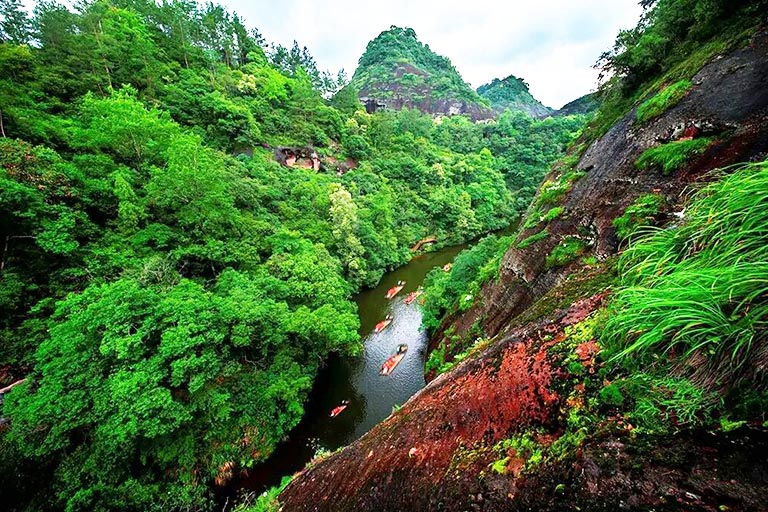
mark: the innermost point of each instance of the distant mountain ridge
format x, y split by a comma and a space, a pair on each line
398, 71
512, 93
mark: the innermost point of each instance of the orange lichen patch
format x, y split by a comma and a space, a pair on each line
583, 308
587, 352
515, 464
575, 402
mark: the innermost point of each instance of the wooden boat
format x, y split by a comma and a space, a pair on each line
383, 324
337, 410
391, 363
412, 296
395, 289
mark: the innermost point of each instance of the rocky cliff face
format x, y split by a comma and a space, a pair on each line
729, 97
446, 449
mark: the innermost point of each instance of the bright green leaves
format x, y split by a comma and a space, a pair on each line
345, 224
121, 126
145, 371
58, 234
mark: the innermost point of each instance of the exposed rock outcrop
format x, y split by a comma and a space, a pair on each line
305, 157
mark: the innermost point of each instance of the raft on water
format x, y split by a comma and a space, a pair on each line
412, 296
383, 324
337, 410
393, 361
395, 289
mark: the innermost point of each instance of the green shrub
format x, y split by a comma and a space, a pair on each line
610, 395
671, 156
660, 103
436, 359
637, 214
567, 251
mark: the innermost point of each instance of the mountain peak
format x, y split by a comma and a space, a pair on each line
512, 93
398, 71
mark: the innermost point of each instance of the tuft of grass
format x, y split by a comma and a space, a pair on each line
553, 214
671, 156
639, 213
541, 235
702, 286
568, 250
663, 101
265, 502
661, 401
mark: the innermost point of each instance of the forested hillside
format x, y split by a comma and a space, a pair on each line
167, 289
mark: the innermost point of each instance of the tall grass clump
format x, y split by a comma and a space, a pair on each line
671, 156
640, 213
663, 101
700, 287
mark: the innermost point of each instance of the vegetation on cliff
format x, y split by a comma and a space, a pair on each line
658, 57
679, 346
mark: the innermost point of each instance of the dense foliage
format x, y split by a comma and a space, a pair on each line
166, 287
456, 289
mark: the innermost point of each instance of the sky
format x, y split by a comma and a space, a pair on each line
551, 44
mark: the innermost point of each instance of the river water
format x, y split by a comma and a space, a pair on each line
371, 396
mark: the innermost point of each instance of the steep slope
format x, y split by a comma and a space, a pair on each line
398, 71
521, 425
512, 93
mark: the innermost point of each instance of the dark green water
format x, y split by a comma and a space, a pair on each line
357, 379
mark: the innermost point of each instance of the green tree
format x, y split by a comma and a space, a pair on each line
15, 26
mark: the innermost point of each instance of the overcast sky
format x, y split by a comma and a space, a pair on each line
552, 44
